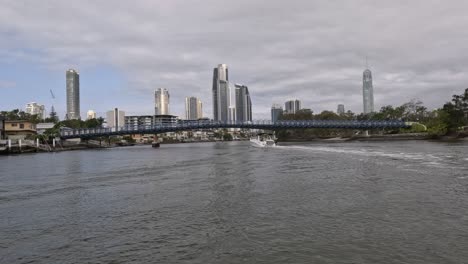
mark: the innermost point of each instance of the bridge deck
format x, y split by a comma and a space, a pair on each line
163, 128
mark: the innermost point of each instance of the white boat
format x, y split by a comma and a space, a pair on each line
262, 141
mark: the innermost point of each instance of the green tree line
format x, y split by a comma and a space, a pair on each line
448, 119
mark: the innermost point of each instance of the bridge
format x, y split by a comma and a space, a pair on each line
87, 133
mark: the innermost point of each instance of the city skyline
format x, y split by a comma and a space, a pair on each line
317, 57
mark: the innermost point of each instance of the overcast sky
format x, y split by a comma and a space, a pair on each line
311, 50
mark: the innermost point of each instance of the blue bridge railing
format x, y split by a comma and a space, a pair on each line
202, 124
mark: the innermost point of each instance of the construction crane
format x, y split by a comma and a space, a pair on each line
53, 114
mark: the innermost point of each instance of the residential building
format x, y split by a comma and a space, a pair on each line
165, 119
243, 106
90, 114
221, 93
73, 94
292, 106
42, 127
367, 92
144, 121
19, 129
193, 108
161, 102
115, 118
34, 108
276, 112
340, 110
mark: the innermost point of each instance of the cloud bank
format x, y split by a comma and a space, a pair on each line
311, 50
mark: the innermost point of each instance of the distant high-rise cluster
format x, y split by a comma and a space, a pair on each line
161, 102
243, 103
193, 108
36, 109
225, 109
73, 95
367, 92
292, 106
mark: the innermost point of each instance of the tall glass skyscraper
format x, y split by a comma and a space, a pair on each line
367, 92
221, 93
243, 103
161, 102
73, 95
193, 108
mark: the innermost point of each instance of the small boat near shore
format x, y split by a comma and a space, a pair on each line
155, 144
262, 141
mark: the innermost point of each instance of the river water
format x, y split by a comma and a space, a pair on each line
361, 202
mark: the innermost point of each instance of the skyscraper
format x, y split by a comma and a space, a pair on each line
367, 92
292, 106
340, 110
243, 103
36, 109
73, 95
161, 102
276, 112
193, 108
221, 93
115, 118
224, 101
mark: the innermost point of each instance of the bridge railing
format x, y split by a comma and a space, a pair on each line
204, 124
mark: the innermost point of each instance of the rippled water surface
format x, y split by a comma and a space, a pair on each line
379, 202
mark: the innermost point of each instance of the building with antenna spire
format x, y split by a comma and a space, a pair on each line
367, 91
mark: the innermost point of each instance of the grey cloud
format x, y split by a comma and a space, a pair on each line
312, 50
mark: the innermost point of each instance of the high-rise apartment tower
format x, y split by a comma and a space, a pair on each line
193, 108
73, 94
161, 102
243, 103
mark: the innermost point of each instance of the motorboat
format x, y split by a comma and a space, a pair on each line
262, 141
155, 144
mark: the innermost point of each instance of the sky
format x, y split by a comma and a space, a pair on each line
311, 50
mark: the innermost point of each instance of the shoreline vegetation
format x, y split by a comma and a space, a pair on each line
448, 123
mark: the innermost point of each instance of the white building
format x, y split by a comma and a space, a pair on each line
34, 108
115, 118
90, 114
161, 102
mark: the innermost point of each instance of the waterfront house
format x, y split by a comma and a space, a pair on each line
19, 129
42, 127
